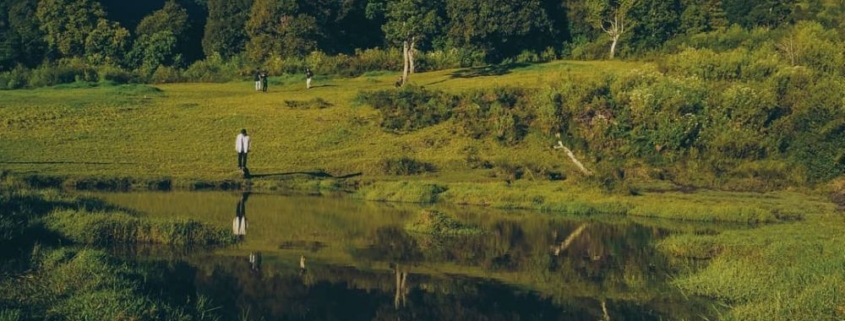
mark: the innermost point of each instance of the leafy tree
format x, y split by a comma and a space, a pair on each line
21, 40
67, 24
262, 30
172, 17
702, 16
106, 43
612, 17
409, 22
765, 13
152, 51
344, 26
224, 30
162, 36
657, 22
499, 27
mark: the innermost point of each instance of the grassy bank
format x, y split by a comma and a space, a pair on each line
69, 284
778, 272
47, 279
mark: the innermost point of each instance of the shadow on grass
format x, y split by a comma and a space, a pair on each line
491, 70
316, 174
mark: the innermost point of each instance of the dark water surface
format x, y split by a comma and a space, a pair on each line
325, 258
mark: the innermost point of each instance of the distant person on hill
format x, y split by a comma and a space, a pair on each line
308, 75
242, 147
257, 78
264, 81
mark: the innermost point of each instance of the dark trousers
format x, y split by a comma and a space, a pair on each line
242, 160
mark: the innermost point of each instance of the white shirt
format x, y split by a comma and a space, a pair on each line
239, 225
242, 143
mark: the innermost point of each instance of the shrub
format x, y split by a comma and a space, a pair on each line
114, 75
501, 112
405, 166
16, 78
165, 74
409, 108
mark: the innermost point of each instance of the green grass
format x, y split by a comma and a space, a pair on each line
181, 136
186, 131
69, 284
780, 272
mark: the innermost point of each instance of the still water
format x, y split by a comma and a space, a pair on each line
327, 258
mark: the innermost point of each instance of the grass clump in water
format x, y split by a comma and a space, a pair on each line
440, 224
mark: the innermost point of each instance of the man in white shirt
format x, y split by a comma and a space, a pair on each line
242, 146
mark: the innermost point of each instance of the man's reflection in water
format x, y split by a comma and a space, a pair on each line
255, 261
239, 224
401, 296
301, 265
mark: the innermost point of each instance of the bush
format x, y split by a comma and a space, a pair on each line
215, 69
502, 113
165, 74
114, 75
405, 166
16, 78
409, 108
64, 72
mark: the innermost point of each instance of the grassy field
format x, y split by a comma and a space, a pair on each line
187, 131
182, 134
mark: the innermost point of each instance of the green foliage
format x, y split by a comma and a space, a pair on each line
409, 108
213, 69
440, 224
498, 28
89, 284
405, 166
225, 34
501, 112
67, 24
778, 272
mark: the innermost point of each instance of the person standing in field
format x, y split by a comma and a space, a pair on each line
257, 78
264, 81
242, 147
308, 75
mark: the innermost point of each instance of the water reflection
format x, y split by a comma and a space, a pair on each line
239, 223
363, 264
255, 261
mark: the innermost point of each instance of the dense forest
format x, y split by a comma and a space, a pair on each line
156, 40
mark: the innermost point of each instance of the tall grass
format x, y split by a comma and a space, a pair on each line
780, 272
109, 228
68, 284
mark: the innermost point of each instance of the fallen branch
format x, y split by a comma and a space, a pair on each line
572, 157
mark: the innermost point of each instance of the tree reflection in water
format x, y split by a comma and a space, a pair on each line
535, 268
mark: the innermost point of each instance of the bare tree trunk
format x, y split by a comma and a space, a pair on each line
406, 64
613, 46
411, 55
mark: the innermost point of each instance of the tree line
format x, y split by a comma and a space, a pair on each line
149, 35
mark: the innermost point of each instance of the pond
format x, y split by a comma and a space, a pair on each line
335, 258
